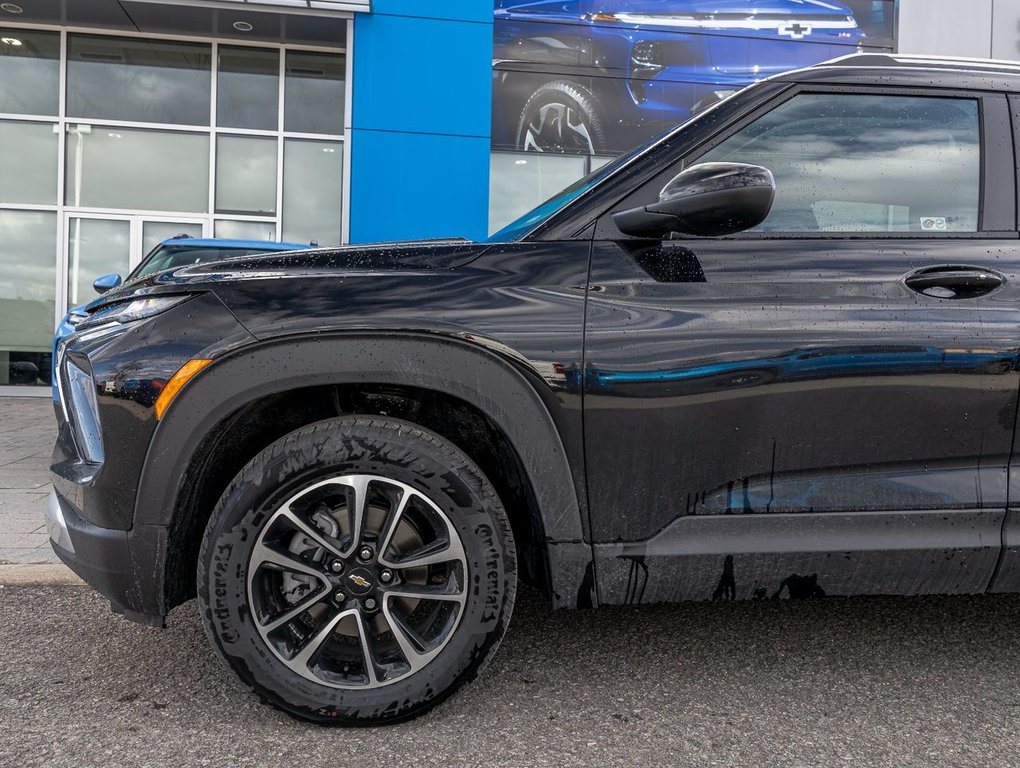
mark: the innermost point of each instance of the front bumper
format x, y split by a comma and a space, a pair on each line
105, 426
106, 558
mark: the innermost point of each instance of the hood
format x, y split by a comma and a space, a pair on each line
415, 255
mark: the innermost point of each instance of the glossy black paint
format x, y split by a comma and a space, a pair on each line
696, 418
824, 387
128, 384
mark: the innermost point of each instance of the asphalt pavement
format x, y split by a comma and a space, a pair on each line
865, 682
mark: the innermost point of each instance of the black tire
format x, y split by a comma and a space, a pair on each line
562, 116
382, 447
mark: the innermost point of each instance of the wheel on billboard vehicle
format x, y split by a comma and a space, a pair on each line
357, 571
561, 116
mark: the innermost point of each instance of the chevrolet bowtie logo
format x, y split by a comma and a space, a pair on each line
361, 581
795, 29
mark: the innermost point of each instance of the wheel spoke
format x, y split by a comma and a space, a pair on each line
310, 531
390, 526
410, 644
358, 488
263, 555
293, 613
307, 654
366, 650
438, 552
416, 592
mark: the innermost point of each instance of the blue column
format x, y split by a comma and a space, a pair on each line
421, 117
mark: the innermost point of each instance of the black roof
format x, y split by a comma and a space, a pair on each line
900, 69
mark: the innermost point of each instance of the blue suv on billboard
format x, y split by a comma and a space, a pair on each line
599, 78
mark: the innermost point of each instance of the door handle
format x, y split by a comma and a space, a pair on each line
954, 281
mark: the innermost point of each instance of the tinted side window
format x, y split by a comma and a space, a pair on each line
859, 163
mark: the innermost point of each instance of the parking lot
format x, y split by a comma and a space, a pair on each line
873, 682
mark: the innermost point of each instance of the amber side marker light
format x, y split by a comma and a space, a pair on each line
176, 383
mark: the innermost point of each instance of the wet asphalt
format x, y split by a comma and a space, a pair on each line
866, 682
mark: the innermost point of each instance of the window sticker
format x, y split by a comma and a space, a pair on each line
934, 224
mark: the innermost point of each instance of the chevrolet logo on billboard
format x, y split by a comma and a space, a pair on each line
796, 30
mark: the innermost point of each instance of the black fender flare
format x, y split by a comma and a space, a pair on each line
484, 378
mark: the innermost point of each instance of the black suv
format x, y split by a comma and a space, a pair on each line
773, 354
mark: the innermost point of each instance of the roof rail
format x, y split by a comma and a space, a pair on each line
899, 60
863, 60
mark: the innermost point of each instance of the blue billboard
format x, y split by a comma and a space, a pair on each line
597, 78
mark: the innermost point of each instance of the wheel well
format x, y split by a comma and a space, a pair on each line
239, 437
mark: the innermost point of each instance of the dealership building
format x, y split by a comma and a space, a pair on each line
124, 122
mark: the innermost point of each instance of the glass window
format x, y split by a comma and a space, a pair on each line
151, 81
95, 247
28, 162
247, 89
28, 253
244, 230
312, 188
858, 163
137, 169
30, 72
245, 175
314, 93
155, 232
519, 182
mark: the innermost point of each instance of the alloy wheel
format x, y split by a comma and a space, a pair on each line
558, 127
357, 581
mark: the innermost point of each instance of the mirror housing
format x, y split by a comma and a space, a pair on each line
706, 200
106, 283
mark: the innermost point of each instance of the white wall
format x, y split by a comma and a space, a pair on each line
974, 28
946, 27
1006, 30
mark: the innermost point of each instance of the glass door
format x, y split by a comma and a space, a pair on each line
96, 245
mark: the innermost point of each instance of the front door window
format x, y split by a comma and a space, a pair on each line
866, 163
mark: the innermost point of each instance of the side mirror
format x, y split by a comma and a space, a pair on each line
707, 200
106, 283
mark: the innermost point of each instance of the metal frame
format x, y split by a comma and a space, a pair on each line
65, 213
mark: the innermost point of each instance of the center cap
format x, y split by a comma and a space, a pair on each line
360, 581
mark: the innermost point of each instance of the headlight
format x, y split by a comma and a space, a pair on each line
131, 310
85, 424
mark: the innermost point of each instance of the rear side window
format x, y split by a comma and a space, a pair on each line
862, 163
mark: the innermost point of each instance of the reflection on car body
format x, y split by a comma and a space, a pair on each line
805, 364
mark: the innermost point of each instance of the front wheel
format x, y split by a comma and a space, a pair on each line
357, 571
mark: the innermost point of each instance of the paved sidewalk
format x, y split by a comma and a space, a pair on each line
27, 432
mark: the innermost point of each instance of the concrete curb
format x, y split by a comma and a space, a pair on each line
48, 574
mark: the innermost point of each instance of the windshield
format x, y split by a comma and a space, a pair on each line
168, 256
518, 228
